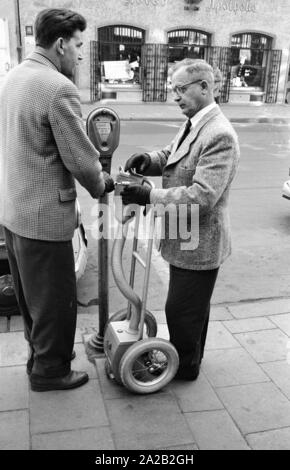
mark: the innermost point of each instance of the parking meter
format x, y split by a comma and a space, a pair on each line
103, 129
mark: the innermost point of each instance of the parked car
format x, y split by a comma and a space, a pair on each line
8, 304
286, 189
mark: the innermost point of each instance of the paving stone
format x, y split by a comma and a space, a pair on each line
148, 422
14, 388
218, 313
248, 324
88, 320
280, 374
218, 337
256, 407
68, 409
283, 322
215, 430
265, 346
162, 331
191, 446
81, 362
159, 315
13, 349
257, 309
16, 323
78, 336
14, 430
3, 325
225, 367
195, 396
80, 439
110, 389
277, 439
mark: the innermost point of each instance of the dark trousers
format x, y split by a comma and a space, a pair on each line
187, 312
45, 287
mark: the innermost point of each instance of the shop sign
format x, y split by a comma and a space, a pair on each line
233, 6
147, 3
191, 5
29, 30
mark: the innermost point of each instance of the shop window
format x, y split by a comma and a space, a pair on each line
120, 53
249, 59
187, 43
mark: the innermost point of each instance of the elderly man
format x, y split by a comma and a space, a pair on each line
43, 148
197, 168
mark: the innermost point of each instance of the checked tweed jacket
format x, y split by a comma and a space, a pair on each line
43, 148
199, 172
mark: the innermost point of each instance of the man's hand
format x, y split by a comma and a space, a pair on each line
139, 161
109, 182
136, 194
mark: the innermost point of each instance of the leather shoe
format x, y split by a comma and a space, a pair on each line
191, 374
30, 361
73, 379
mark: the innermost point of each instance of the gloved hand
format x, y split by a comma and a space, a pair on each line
136, 194
139, 161
109, 182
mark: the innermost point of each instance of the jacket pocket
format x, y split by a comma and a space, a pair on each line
185, 176
66, 195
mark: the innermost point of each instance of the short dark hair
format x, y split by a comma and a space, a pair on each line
52, 23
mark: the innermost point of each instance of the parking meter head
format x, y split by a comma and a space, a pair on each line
103, 129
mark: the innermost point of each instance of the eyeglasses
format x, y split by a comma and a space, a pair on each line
181, 89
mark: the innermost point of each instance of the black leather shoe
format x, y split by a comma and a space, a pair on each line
72, 380
30, 361
189, 374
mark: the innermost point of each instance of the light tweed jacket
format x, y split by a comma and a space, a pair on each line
43, 148
199, 172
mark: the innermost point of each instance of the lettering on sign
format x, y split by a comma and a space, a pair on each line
233, 6
147, 3
191, 5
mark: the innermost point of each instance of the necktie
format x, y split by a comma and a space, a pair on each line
185, 133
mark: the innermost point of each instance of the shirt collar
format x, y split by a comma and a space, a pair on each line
198, 116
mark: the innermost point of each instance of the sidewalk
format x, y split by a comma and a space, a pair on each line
241, 399
237, 113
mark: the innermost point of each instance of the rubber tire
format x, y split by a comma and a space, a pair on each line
150, 321
142, 347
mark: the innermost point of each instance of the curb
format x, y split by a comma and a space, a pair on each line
237, 120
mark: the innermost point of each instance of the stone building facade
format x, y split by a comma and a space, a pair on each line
129, 44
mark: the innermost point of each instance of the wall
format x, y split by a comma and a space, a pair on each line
219, 17
7, 11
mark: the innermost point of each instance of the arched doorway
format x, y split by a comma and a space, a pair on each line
189, 43
120, 53
255, 66
250, 53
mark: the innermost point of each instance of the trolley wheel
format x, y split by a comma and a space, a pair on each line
149, 321
148, 365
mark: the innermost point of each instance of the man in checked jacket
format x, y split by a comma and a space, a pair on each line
197, 169
43, 148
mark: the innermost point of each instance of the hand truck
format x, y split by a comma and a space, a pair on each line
134, 356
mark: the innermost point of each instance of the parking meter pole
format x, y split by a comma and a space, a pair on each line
103, 129
97, 340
